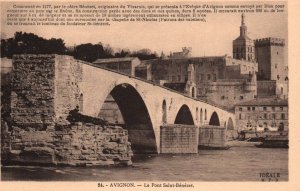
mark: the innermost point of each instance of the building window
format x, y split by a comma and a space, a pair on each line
173, 78
253, 108
179, 78
265, 116
275, 65
273, 115
282, 116
265, 108
241, 97
249, 108
193, 92
208, 76
281, 108
240, 109
273, 108
215, 77
281, 90
240, 116
202, 77
222, 97
278, 77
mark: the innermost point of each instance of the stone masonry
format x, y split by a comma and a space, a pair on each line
78, 145
179, 138
45, 88
32, 97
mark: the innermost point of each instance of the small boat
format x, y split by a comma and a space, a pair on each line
276, 141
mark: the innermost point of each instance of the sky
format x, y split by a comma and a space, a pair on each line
212, 38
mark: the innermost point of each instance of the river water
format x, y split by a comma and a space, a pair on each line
236, 164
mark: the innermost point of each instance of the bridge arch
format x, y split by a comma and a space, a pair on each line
214, 119
184, 116
230, 125
136, 117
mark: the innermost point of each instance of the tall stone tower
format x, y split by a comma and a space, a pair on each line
243, 46
271, 63
270, 58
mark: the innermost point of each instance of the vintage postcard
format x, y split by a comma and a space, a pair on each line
113, 95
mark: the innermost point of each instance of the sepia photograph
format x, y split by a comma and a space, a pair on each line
145, 94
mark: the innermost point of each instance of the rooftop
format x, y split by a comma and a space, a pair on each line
185, 59
111, 60
180, 87
242, 38
273, 101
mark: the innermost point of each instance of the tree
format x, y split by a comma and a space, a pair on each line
3, 48
123, 53
89, 52
108, 51
29, 43
144, 54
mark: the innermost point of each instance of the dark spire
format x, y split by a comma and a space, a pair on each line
243, 19
243, 27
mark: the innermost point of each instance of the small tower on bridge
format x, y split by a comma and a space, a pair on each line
191, 87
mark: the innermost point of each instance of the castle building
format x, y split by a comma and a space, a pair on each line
270, 58
218, 79
222, 80
186, 52
272, 66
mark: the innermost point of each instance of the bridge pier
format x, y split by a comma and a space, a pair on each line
179, 138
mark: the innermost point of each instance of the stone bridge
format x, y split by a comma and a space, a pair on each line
145, 106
